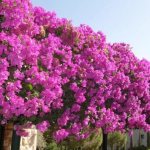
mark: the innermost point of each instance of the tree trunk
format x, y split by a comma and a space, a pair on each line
117, 148
15, 141
8, 136
104, 145
2, 130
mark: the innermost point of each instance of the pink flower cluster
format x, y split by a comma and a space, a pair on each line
67, 78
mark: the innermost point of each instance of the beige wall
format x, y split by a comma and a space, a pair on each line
30, 142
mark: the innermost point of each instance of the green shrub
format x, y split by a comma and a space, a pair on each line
91, 143
118, 139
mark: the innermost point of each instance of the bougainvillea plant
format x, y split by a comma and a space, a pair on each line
67, 78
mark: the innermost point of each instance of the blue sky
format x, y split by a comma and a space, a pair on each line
120, 20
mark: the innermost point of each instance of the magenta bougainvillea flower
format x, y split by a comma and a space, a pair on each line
67, 78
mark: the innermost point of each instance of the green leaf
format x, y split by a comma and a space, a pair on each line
28, 86
108, 103
41, 66
2, 18
35, 94
59, 31
23, 93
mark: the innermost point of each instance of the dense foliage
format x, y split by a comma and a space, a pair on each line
93, 142
67, 78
